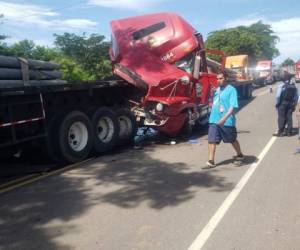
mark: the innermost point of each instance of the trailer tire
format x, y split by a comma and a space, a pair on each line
249, 91
105, 129
127, 125
51, 141
75, 137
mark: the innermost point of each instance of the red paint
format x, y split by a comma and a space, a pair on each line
297, 70
145, 51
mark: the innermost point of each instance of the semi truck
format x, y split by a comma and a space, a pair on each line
161, 81
237, 68
264, 72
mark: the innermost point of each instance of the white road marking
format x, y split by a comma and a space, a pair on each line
217, 217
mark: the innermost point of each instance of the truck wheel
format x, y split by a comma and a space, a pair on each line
51, 141
105, 130
187, 130
249, 92
188, 127
127, 125
75, 137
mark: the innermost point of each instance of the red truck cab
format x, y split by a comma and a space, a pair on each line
164, 57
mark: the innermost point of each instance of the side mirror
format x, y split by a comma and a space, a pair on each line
196, 72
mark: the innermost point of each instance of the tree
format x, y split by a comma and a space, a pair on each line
258, 41
81, 58
288, 62
72, 71
3, 45
22, 48
28, 49
2, 36
89, 52
45, 53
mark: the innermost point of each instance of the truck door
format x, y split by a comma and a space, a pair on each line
208, 82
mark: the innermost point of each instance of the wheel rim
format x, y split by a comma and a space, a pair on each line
78, 136
125, 126
105, 129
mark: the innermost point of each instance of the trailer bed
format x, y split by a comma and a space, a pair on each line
33, 87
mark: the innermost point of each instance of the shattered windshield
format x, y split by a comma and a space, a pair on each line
186, 63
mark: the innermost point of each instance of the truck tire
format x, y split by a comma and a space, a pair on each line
187, 128
127, 125
51, 141
249, 91
75, 137
105, 130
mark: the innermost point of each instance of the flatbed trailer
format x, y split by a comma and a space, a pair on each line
36, 113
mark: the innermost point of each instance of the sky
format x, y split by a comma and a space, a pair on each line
38, 20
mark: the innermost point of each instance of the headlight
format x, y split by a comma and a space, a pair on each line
185, 80
159, 107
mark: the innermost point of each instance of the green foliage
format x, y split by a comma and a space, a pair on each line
89, 52
288, 62
72, 71
2, 37
257, 41
81, 58
23, 48
4, 49
3, 45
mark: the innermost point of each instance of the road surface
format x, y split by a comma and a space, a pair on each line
160, 197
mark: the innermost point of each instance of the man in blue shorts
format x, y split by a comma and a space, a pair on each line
222, 120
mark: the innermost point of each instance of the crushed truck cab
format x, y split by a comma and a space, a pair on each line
164, 57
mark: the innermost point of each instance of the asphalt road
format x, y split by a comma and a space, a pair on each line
160, 197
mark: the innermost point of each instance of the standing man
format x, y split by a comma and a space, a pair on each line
286, 101
222, 120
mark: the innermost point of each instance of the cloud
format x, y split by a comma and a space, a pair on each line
288, 30
125, 4
24, 14
244, 21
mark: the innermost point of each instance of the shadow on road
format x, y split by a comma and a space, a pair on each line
37, 216
248, 159
160, 184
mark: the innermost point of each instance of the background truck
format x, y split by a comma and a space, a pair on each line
297, 71
264, 72
236, 69
161, 81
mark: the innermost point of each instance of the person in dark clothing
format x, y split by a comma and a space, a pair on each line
286, 100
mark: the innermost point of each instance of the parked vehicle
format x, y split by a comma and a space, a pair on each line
238, 68
277, 74
241, 81
264, 73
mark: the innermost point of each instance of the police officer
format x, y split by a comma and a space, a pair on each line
286, 100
